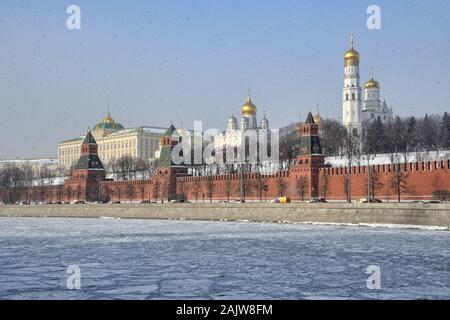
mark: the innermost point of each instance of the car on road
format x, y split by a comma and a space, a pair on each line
179, 201
364, 200
318, 200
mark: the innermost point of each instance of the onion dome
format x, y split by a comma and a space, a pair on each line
264, 123
351, 57
372, 84
232, 123
317, 118
249, 109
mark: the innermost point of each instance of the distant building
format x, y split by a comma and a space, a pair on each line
35, 164
114, 141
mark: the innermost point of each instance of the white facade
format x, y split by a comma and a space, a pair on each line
360, 108
114, 141
352, 100
232, 137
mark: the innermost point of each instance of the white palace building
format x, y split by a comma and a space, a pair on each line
114, 141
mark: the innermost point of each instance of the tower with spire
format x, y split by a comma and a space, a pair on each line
352, 100
310, 158
360, 109
87, 173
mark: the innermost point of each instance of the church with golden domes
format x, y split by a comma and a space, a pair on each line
233, 135
248, 118
360, 108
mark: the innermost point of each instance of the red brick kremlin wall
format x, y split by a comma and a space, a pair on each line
422, 180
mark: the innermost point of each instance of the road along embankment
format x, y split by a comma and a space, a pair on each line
341, 213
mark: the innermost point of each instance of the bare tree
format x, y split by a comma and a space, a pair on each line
126, 167
281, 186
141, 167
78, 192
375, 183
302, 185
250, 186
398, 181
346, 184
228, 187
118, 191
142, 190
129, 190
442, 195
324, 182
156, 190
209, 186
261, 185
68, 192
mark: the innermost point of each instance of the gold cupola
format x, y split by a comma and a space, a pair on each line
372, 83
249, 109
109, 123
108, 119
351, 57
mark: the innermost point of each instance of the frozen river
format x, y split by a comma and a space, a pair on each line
167, 259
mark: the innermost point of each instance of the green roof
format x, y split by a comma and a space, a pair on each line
109, 126
310, 119
170, 130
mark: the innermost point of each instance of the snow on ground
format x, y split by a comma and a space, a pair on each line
168, 259
389, 158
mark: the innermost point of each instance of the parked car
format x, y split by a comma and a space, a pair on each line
179, 201
364, 200
427, 201
79, 202
115, 202
281, 200
318, 200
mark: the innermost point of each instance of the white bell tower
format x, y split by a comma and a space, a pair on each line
352, 99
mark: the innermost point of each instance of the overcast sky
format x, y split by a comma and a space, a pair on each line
180, 61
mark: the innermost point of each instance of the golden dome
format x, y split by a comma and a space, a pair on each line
371, 84
249, 109
351, 57
317, 118
108, 119
109, 123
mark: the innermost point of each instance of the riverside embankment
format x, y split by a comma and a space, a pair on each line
398, 214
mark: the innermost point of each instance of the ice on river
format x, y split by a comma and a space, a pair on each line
167, 259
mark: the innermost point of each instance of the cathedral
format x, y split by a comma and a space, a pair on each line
233, 135
360, 108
